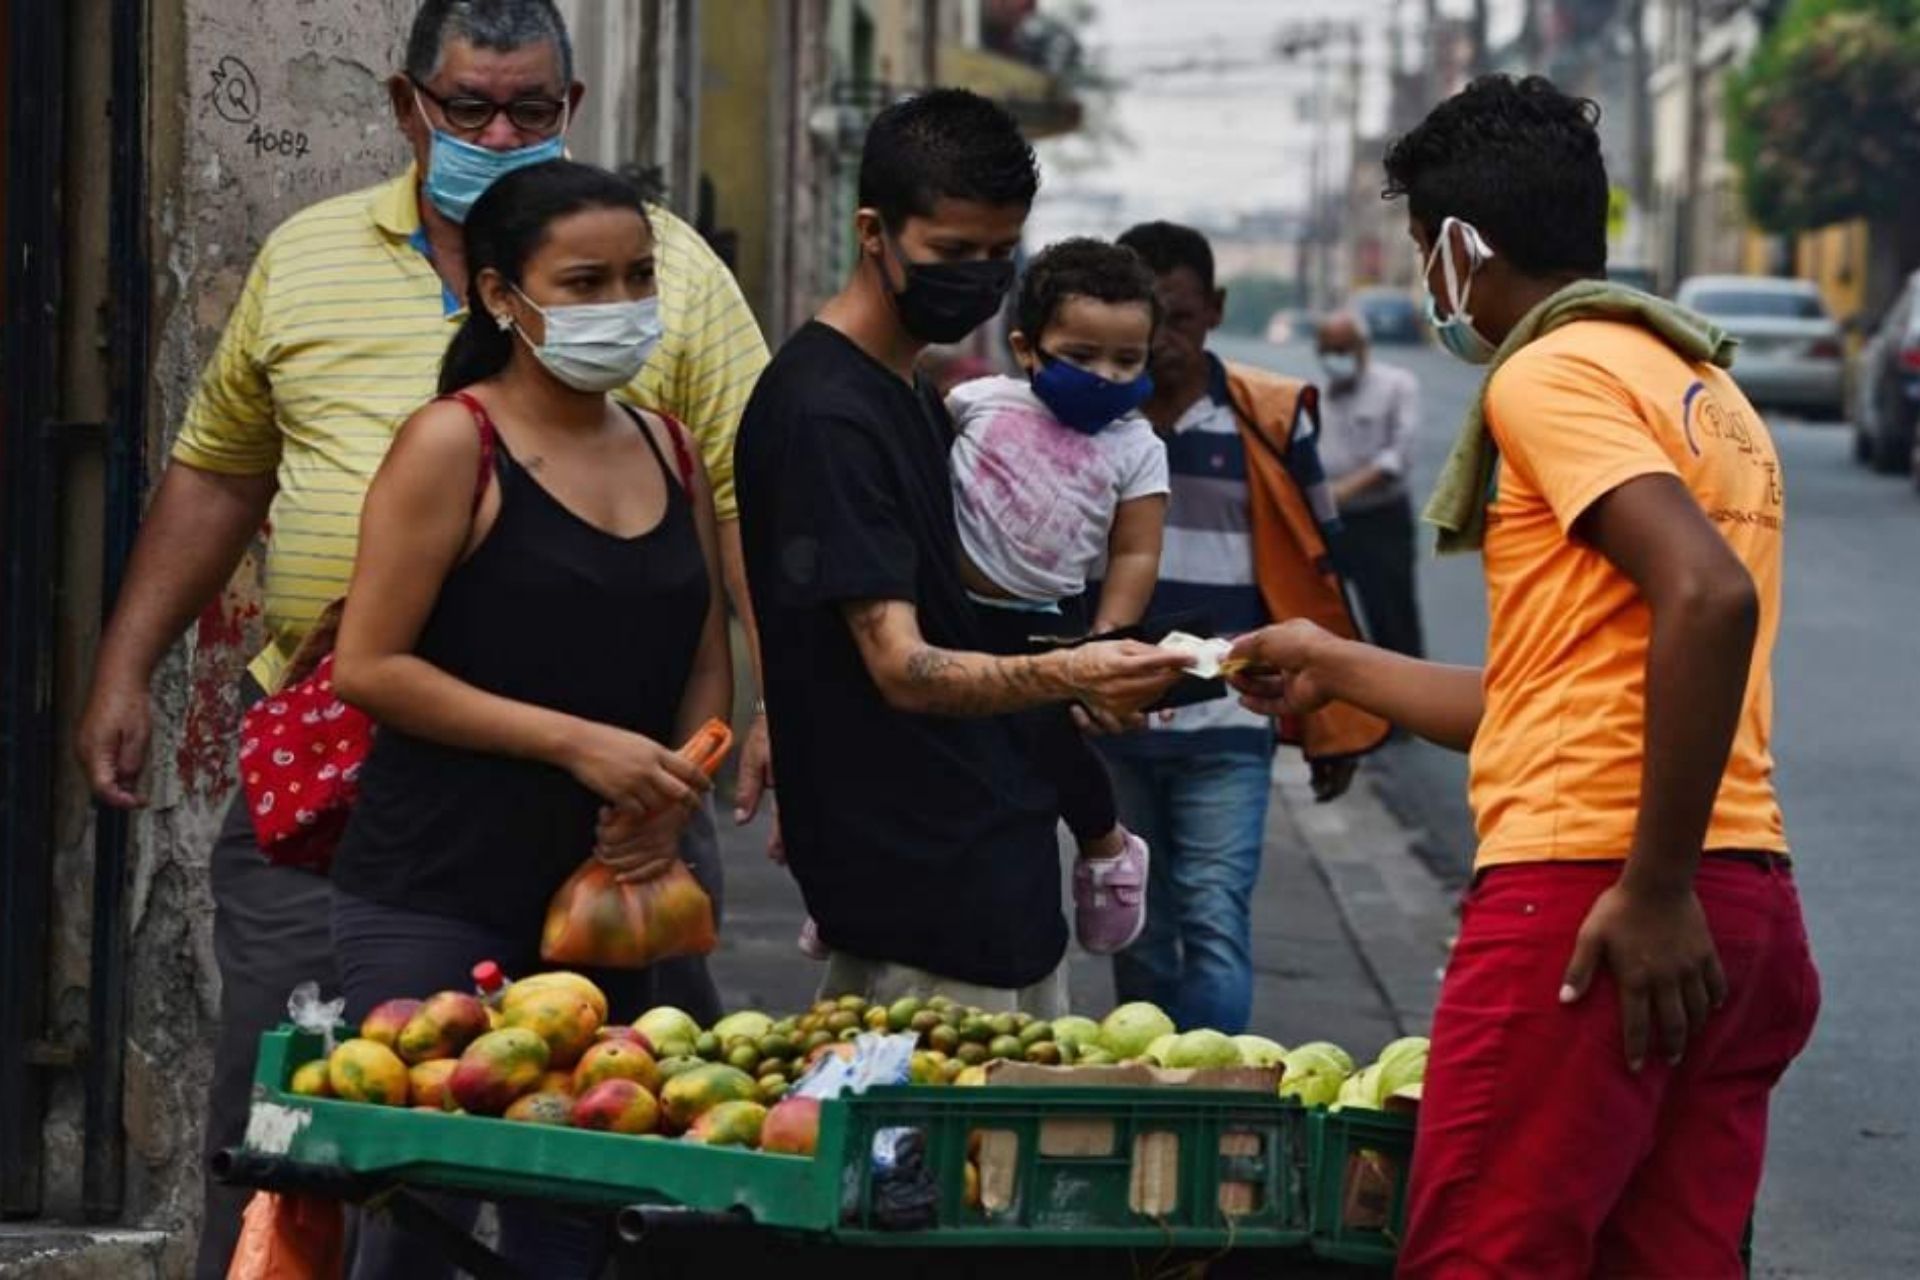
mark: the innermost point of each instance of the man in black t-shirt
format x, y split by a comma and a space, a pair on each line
921, 834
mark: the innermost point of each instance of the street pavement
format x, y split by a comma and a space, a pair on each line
1844, 1159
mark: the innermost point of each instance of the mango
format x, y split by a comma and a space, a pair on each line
792, 1127
427, 1082
691, 1094
617, 1106
542, 1108
730, 1124
616, 1060
383, 1024
562, 1017
442, 1027
310, 1080
583, 987
497, 1068
367, 1071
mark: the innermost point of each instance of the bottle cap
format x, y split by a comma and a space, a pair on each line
487, 976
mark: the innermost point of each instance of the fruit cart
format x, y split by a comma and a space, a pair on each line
1078, 1177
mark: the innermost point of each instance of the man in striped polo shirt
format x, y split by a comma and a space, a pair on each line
336, 338
1196, 784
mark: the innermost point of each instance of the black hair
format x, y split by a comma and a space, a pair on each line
1518, 159
506, 227
1081, 268
946, 142
1168, 246
500, 25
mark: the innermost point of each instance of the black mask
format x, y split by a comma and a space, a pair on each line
946, 301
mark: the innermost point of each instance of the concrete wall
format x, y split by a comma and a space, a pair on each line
254, 111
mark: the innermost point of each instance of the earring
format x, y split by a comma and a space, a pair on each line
504, 320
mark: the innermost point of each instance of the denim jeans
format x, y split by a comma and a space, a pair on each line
1204, 817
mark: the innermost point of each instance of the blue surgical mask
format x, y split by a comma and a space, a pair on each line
1084, 400
1456, 333
459, 173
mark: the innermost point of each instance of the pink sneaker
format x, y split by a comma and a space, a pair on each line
811, 945
1110, 898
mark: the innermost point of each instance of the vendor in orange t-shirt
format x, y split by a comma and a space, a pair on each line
1632, 974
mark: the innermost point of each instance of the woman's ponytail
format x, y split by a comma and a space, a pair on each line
478, 351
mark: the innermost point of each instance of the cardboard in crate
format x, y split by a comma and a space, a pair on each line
1361, 1159
1154, 1187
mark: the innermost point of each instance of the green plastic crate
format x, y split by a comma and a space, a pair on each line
1360, 1164
1095, 1167
1203, 1140
500, 1158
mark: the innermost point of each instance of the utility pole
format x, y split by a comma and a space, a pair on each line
1347, 220
1318, 228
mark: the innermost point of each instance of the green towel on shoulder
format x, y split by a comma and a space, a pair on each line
1458, 507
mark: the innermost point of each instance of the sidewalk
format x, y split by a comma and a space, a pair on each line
1349, 927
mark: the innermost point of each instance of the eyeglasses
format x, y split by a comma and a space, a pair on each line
471, 115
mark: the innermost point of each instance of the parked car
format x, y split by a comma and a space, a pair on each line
1390, 315
1886, 392
1791, 354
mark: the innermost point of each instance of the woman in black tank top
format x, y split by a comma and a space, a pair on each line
531, 654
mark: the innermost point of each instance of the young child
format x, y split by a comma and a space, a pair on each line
1055, 474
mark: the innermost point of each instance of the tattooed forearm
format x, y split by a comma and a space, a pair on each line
943, 682
925, 678
930, 666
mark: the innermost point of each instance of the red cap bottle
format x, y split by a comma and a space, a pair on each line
488, 981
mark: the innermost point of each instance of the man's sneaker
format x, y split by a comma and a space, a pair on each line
811, 944
1110, 898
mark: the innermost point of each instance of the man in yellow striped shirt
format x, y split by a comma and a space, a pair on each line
336, 338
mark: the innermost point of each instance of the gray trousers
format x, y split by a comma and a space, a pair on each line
272, 931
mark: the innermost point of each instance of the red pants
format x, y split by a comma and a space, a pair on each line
1539, 1154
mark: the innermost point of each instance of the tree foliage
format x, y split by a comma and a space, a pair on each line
1824, 123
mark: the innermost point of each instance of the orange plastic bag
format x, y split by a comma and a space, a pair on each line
596, 920
289, 1237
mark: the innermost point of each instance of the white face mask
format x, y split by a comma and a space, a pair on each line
1342, 367
597, 347
1456, 332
